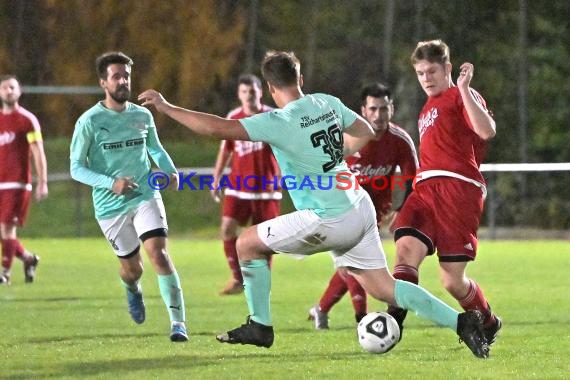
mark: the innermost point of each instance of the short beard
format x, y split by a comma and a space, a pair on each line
8, 103
120, 96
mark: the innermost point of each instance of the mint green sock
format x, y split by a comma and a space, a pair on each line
171, 293
257, 288
412, 297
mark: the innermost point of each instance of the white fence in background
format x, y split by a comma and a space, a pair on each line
491, 171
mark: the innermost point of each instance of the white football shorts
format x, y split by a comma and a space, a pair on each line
123, 231
352, 238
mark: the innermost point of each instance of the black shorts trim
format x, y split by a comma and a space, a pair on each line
455, 259
408, 231
159, 232
133, 253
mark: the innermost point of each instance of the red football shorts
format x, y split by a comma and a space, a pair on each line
14, 205
444, 213
252, 211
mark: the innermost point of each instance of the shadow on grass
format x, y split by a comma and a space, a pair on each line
181, 362
82, 298
91, 337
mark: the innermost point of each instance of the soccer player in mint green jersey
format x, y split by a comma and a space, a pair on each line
109, 152
310, 135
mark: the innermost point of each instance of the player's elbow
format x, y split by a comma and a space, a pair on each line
74, 168
489, 133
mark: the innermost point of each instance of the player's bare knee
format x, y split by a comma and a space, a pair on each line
131, 273
229, 229
410, 251
161, 261
248, 250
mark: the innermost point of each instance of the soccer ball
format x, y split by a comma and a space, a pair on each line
378, 332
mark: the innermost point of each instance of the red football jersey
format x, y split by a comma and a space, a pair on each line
447, 139
15, 149
380, 158
253, 168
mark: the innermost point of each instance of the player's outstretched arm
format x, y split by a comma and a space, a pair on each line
483, 123
199, 122
356, 136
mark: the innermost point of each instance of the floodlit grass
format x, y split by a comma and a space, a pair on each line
72, 322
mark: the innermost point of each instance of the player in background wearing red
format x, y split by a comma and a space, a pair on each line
20, 135
443, 212
256, 202
391, 147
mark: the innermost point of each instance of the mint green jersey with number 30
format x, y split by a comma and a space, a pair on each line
307, 140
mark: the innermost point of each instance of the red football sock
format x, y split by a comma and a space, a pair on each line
232, 258
20, 251
336, 289
357, 295
475, 300
406, 273
9, 247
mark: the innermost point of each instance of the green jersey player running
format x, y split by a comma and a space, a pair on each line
310, 135
109, 151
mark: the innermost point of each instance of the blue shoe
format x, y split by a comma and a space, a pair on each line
178, 332
136, 306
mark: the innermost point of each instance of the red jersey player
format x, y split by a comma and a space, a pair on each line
377, 161
20, 134
443, 212
251, 195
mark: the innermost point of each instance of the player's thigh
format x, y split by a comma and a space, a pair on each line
376, 282
237, 209
14, 206
458, 220
250, 247
149, 216
416, 220
121, 234
360, 245
296, 233
302, 233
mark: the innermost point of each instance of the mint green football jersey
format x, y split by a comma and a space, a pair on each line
107, 145
307, 140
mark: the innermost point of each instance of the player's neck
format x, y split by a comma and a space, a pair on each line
251, 109
286, 95
111, 104
378, 134
9, 108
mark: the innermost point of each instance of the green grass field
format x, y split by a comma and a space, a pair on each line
73, 323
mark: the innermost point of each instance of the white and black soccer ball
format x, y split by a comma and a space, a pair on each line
378, 332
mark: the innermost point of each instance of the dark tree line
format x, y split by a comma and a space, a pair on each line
194, 50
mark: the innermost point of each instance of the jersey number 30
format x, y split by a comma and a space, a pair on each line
331, 141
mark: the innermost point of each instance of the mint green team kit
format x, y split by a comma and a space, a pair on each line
107, 145
321, 119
